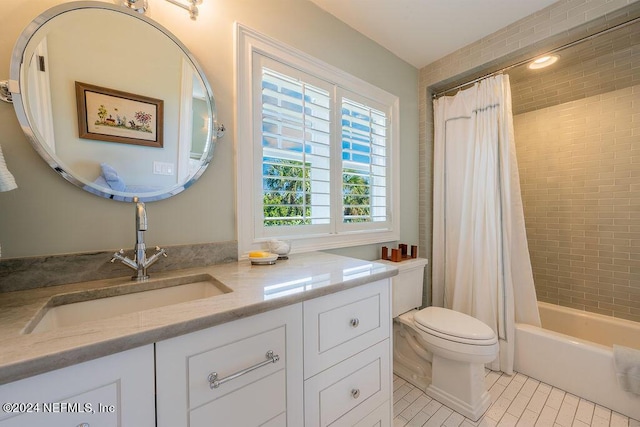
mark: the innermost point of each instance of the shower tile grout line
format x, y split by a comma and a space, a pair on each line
516, 400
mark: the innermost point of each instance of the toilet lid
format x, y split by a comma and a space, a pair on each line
454, 324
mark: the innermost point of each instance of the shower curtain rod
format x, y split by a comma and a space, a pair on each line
558, 49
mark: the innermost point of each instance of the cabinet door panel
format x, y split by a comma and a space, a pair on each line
123, 383
72, 411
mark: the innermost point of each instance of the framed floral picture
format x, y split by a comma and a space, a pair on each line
115, 116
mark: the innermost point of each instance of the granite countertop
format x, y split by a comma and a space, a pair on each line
255, 289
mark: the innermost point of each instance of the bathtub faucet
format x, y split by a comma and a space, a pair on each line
140, 263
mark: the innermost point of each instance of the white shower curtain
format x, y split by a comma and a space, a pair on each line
481, 263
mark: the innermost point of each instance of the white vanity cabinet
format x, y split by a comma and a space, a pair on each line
347, 351
324, 361
116, 390
336, 369
257, 361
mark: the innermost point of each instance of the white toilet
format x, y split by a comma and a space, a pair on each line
440, 351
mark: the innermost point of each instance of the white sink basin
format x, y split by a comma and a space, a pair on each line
70, 310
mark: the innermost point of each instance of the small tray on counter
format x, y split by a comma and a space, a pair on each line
264, 260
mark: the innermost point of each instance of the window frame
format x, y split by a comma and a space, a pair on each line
249, 43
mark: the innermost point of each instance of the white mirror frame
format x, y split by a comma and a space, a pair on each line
15, 87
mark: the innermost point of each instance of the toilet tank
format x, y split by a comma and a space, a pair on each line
407, 286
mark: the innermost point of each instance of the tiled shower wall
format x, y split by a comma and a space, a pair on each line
603, 64
579, 166
559, 23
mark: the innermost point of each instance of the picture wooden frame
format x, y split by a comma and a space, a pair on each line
115, 116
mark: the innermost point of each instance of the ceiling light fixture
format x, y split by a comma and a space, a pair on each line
543, 61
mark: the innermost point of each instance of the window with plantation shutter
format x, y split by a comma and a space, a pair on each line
364, 163
296, 158
316, 151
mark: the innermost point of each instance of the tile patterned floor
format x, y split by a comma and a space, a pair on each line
517, 400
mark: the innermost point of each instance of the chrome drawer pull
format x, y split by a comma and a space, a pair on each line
355, 393
354, 322
214, 382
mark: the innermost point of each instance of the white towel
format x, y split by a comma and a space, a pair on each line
627, 365
7, 182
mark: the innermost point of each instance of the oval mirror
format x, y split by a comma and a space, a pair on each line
113, 101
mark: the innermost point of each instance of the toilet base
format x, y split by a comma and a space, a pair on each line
460, 386
411, 361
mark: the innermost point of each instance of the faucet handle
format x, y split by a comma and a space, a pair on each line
161, 251
117, 255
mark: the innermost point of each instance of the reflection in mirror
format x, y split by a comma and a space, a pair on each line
143, 122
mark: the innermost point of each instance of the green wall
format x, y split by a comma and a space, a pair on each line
46, 215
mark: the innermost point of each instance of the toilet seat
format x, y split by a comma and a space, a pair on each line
453, 347
454, 326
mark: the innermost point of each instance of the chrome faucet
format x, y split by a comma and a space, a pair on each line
140, 262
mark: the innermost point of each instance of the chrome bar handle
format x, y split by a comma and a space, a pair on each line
214, 382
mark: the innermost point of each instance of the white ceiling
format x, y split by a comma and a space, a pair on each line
422, 31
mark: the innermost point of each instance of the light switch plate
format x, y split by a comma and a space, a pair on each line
163, 168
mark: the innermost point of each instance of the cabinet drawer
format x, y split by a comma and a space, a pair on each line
341, 324
356, 386
267, 394
380, 417
233, 358
279, 421
264, 399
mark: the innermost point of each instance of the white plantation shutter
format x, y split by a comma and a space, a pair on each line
295, 153
317, 152
364, 164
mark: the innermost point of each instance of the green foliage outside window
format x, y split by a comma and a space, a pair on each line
355, 196
287, 193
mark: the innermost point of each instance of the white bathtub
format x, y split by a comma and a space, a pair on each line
574, 352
